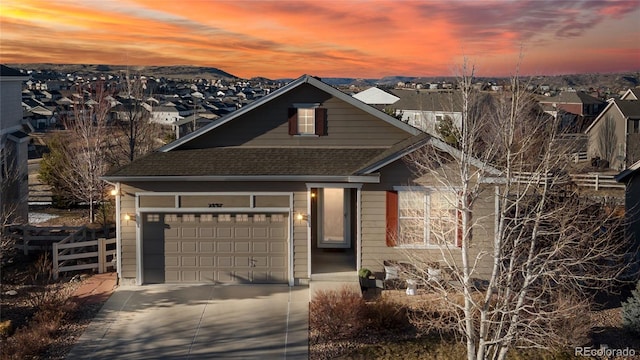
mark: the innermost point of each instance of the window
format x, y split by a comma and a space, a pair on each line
634, 126
427, 218
307, 119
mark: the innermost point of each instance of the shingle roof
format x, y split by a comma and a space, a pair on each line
241, 161
7, 71
573, 97
428, 100
630, 108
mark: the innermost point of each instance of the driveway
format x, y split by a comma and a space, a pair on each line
199, 322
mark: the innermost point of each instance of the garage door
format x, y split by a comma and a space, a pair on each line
221, 248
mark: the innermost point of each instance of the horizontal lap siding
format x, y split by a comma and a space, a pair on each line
300, 242
128, 232
375, 251
346, 125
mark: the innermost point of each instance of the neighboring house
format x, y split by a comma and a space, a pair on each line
377, 97
585, 106
631, 178
14, 140
424, 109
188, 125
615, 134
165, 114
305, 181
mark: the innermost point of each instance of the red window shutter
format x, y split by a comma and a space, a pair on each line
321, 121
392, 218
293, 121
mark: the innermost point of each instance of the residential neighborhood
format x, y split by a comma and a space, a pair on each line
300, 187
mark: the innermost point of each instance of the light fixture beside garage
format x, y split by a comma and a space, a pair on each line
302, 217
127, 217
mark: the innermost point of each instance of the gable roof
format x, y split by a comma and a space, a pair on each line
305, 79
376, 96
417, 142
630, 109
631, 94
7, 71
573, 97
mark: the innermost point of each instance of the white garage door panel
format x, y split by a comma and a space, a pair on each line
225, 252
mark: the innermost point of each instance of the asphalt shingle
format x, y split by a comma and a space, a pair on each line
237, 161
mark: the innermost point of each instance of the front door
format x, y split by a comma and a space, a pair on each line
334, 218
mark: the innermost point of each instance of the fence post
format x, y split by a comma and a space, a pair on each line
55, 261
597, 182
101, 257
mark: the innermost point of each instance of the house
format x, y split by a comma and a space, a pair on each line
305, 181
424, 109
165, 114
376, 97
14, 141
585, 106
615, 134
631, 178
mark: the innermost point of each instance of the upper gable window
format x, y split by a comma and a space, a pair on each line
307, 119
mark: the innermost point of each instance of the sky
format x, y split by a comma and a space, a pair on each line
347, 38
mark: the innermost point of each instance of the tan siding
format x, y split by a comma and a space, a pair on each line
593, 149
346, 125
375, 251
128, 232
300, 243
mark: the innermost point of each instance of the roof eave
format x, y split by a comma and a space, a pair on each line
369, 178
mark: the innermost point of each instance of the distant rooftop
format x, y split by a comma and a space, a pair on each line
7, 71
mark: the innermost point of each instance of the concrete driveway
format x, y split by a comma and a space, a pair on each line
199, 322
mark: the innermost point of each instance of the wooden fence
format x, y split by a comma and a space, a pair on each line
71, 254
36, 238
596, 180
74, 248
523, 177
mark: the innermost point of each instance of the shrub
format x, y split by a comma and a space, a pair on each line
567, 327
631, 311
386, 315
337, 314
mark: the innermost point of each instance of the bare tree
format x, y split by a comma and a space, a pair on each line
501, 209
83, 155
9, 201
607, 140
137, 135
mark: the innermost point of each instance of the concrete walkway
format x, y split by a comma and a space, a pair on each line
199, 322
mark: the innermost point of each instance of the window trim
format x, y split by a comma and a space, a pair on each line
426, 193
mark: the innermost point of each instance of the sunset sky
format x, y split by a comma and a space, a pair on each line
349, 38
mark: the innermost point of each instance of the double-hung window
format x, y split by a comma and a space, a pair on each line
428, 218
